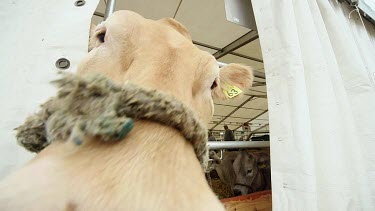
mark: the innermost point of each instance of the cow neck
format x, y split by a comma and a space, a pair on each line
89, 102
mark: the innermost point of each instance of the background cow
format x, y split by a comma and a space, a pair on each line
245, 172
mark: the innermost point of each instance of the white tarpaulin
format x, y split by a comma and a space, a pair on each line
320, 68
34, 35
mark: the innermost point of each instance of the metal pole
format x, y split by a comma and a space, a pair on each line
213, 145
110, 8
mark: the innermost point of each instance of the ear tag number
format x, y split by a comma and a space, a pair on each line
231, 91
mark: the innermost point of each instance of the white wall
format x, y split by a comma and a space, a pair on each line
34, 35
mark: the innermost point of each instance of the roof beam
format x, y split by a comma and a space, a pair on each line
252, 90
243, 40
258, 96
255, 131
234, 110
246, 57
99, 14
232, 53
257, 109
206, 45
178, 7
260, 128
234, 117
265, 111
255, 84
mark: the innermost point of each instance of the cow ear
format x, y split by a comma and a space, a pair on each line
252, 156
91, 33
263, 162
234, 79
232, 160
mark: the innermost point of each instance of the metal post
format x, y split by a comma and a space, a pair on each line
110, 8
214, 145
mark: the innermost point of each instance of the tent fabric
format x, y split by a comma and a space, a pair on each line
35, 35
320, 70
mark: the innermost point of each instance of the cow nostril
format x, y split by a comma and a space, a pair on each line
237, 192
249, 171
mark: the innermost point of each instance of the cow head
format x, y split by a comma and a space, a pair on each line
245, 167
160, 55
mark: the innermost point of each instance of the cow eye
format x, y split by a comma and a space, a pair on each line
214, 84
101, 37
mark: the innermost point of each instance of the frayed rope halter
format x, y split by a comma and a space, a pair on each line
95, 106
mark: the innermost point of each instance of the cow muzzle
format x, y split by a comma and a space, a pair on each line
241, 189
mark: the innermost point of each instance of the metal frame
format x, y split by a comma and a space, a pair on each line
234, 110
259, 128
257, 109
231, 53
245, 39
255, 131
265, 111
256, 95
110, 8
99, 14
214, 145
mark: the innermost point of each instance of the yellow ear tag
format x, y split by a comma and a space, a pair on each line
262, 166
231, 91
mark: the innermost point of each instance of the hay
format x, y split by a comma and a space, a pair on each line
221, 189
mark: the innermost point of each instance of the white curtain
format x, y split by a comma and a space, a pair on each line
320, 69
34, 35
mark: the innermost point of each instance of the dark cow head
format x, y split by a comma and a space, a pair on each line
246, 169
244, 172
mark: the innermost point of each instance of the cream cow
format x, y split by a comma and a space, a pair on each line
145, 171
